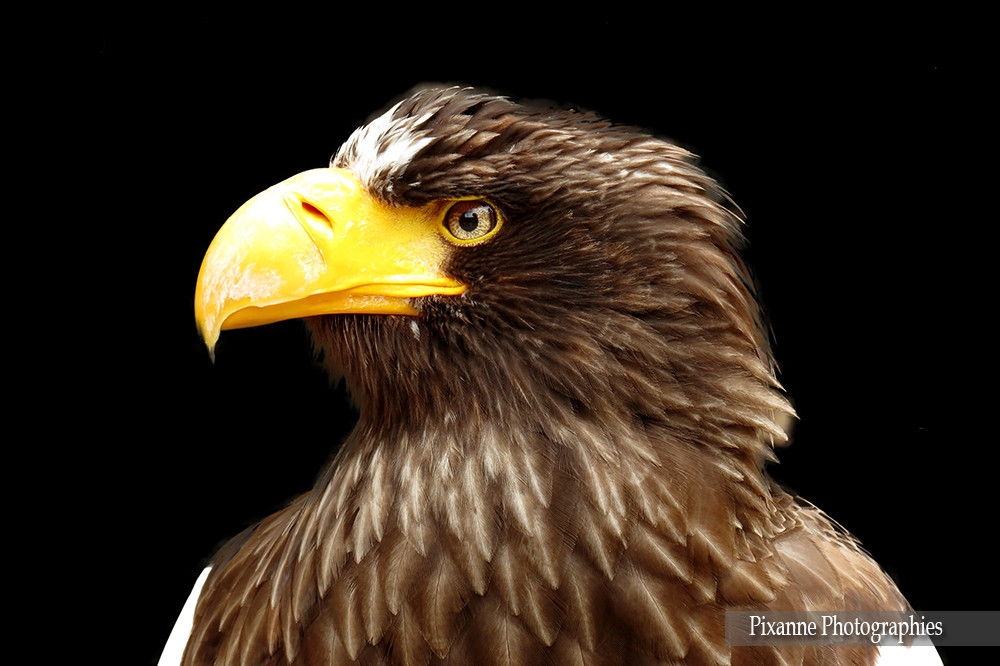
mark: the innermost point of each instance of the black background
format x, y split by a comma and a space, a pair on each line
856, 148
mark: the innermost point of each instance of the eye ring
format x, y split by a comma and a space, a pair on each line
471, 222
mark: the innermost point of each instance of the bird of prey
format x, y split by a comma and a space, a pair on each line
567, 399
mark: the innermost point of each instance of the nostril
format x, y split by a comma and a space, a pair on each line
314, 219
314, 215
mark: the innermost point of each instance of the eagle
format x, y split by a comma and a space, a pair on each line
567, 402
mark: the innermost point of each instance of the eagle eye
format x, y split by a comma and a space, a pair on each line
470, 222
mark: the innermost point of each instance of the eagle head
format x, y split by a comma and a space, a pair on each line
546, 256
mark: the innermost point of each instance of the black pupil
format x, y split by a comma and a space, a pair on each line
469, 221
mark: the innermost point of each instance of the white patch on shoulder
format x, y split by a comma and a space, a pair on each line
385, 146
922, 653
173, 651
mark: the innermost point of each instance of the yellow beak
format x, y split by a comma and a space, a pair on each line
318, 243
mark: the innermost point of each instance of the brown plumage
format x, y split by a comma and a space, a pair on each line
564, 463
